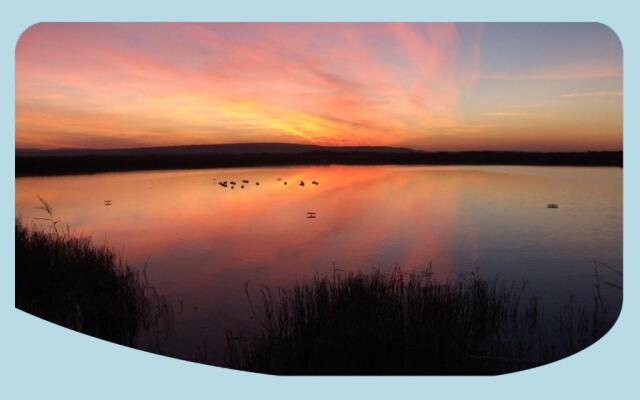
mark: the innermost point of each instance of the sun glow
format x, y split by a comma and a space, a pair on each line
433, 86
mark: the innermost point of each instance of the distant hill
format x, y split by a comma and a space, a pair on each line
211, 149
33, 162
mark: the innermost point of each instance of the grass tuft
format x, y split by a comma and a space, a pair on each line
72, 282
386, 323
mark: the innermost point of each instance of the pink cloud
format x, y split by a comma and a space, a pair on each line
120, 85
323, 83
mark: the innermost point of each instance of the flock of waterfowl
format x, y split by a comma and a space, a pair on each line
230, 184
245, 183
233, 184
310, 214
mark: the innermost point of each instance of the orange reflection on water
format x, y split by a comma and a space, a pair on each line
202, 242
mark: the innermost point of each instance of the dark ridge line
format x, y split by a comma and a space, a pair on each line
64, 165
210, 149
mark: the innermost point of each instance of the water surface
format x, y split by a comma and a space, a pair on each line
201, 242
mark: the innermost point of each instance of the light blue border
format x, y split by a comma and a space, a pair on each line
41, 360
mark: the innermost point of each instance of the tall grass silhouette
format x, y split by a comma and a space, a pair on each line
377, 323
69, 280
389, 323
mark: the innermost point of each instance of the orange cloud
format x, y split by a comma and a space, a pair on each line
121, 85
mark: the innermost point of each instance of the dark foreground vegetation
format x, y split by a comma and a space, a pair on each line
33, 165
388, 323
348, 323
70, 281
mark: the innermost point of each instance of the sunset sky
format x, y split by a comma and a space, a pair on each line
428, 86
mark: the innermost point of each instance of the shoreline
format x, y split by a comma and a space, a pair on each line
26, 166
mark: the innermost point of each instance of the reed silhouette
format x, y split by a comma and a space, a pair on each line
68, 280
385, 323
378, 323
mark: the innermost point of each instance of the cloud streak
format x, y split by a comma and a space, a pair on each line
118, 84
594, 94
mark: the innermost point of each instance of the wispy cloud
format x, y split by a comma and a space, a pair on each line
530, 106
319, 83
567, 72
506, 114
117, 85
594, 94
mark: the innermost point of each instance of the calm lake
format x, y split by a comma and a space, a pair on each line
203, 242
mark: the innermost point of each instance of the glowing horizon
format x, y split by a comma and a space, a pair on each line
429, 86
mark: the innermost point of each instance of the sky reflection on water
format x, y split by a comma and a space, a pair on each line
202, 242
